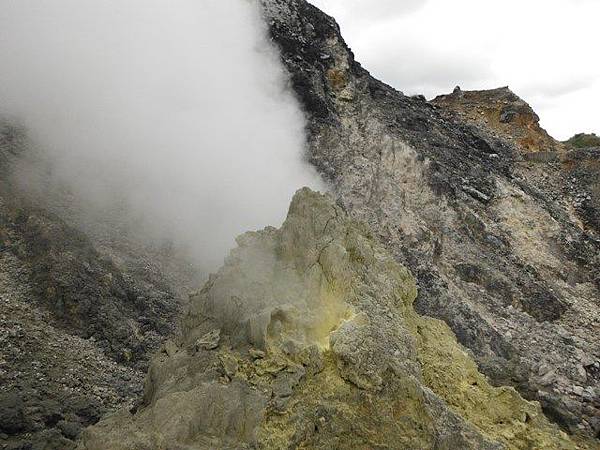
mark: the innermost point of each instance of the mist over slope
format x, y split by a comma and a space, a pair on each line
178, 110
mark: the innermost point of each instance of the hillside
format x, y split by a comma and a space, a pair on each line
583, 140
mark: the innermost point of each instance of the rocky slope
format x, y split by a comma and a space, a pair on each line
504, 246
307, 338
82, 310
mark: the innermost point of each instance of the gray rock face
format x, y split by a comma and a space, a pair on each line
498, 249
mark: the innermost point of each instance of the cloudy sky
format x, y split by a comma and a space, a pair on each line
545, 50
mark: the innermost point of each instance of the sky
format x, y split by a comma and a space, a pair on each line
546, 51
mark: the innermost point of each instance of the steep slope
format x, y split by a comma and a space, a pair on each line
80, 313
498, 248
581, 168
307, 338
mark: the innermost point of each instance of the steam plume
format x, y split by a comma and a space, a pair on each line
178, 108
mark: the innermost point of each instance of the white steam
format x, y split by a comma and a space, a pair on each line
177, 107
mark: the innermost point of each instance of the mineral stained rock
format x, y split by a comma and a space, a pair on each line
320, 347
504, 112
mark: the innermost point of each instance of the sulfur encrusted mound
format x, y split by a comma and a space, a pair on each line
307, 338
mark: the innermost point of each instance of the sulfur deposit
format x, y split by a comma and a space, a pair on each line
307, 338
